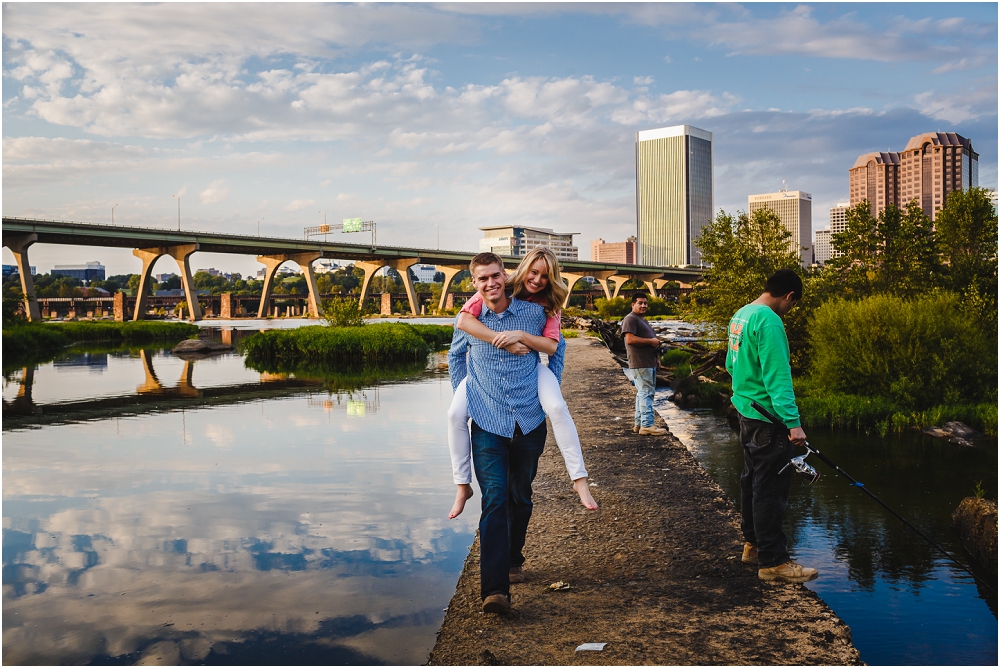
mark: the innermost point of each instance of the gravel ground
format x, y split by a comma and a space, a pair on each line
655, 573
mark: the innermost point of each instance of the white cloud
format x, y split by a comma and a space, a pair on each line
643, 81
958, 106
215, 192
298, 204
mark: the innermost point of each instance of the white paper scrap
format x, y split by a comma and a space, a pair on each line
591, 647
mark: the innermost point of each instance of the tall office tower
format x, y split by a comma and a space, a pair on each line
621, 252
673, 193
794, 207
821, 249
933, 165
875, 177
838, 223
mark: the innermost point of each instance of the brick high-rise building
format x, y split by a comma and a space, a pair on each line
875, 177
931, 166
622, 252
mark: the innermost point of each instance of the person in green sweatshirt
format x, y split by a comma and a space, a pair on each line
757, 359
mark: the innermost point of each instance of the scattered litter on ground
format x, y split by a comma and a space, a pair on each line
559, 586
591, 647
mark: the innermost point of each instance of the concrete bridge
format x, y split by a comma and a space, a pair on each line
150, 244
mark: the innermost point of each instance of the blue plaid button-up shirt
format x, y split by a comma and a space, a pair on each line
501, 388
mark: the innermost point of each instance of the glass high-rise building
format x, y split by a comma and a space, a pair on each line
673, 193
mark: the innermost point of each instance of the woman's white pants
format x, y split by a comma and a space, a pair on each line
551, 398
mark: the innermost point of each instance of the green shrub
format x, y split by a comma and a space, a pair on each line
342, 312
916, 353
570, 333
612, 309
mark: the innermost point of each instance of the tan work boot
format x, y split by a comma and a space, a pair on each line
516, 575
636, 428
497, 604
787, 572
750, 554
652, 431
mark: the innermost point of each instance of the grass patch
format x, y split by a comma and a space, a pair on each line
839, 410
570, 334
388, 343
436, 336
675, 358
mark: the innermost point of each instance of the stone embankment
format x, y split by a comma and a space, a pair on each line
655, 573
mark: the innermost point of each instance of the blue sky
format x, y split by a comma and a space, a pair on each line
460, 115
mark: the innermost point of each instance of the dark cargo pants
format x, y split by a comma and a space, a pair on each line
766, 449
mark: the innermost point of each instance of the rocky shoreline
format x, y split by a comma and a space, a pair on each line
656, 573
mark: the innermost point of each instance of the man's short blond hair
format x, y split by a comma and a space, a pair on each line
485, 259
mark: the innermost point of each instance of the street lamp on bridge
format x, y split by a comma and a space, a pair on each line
178, 211
113, 214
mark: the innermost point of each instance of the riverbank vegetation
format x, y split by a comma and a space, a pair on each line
898, 332
373, 344
24, 341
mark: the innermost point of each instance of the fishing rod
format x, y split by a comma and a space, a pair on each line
801, 466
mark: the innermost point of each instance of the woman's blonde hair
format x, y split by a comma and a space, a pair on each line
554, 293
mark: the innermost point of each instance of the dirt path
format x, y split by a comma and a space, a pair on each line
656, 573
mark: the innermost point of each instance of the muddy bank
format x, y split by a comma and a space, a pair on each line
656, 573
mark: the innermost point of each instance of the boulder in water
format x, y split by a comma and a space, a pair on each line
199, 347
976, 521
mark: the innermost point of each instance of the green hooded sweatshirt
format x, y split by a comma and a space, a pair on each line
758, 362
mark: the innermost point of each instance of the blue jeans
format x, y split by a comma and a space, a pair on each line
645, 385
766, 450
505, 469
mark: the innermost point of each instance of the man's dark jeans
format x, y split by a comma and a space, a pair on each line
766, 449
505, 469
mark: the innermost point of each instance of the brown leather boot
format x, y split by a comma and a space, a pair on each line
749, 553
497, 604
788, 572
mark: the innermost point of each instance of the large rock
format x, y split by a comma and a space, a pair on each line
976, 521
199, 347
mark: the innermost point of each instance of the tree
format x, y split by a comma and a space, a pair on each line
740, 253
967, 238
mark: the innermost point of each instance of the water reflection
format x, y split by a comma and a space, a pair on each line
301, 528
905, 602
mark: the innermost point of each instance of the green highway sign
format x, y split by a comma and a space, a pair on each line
352, 225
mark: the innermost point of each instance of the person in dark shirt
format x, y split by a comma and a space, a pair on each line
643, 358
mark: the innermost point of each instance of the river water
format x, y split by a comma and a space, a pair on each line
906, 604
156, 509
201, 512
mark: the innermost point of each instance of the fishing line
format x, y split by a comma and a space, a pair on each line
860, 485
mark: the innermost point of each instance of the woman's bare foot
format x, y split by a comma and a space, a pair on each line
583, 489
463, 494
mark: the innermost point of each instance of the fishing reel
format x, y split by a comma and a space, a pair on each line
800, 465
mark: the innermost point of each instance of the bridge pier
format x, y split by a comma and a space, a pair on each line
571, 279
602, 278
304, 260
402, 266
449, 271
18, 245
181, 255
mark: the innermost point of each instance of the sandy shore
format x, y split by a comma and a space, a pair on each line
656, 573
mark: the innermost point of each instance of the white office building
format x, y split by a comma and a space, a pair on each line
838, 224
516, 241
821, 248
794, 208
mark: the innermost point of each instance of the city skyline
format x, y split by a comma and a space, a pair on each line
465, 116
